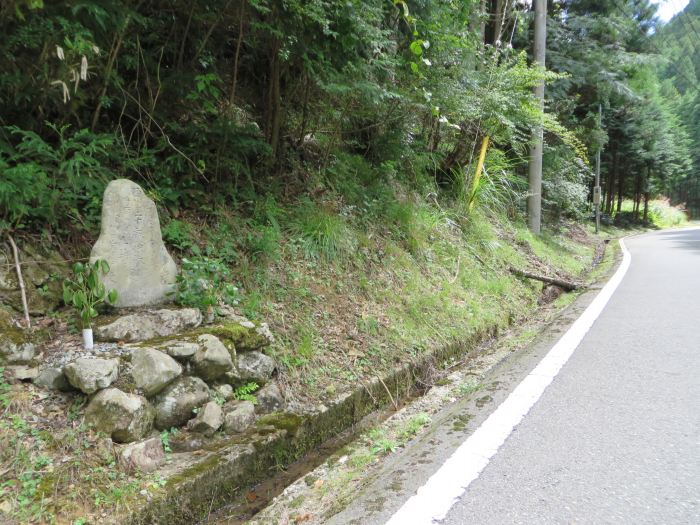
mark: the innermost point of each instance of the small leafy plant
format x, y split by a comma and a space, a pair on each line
205, 283
245, 392
85, 292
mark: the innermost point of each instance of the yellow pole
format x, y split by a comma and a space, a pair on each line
479, 169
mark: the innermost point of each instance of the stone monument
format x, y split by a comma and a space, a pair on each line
141, 269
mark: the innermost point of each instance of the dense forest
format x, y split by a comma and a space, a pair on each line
253, 104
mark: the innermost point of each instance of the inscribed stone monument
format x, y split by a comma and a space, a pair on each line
141, 269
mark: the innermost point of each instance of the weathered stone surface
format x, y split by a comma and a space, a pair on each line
209, 419
143, 326
15, 346
255, 366
213, 359
16, 353
141, 269
125, 417
175, 403
42, 279
182, 350
153, 370
224, 391
21, 373
146, 455
90, 375
243, 336
185, 441
239, 415
53, 378
270, 399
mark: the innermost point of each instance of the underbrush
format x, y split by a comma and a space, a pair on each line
661, 214
368, 269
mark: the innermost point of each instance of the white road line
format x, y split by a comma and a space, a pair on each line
433, 500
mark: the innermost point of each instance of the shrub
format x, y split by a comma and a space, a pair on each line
320, 233
86, 292
205, 283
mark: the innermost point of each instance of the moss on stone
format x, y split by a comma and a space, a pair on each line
282, 421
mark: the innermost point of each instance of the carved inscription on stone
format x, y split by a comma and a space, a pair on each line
141, 269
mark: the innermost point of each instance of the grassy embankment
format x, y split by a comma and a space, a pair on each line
357, 278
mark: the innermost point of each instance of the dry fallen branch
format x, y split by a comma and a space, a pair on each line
22, 290
566, 285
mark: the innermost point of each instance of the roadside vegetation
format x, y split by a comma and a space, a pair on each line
315, 165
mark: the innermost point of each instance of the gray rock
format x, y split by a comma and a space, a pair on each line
21, 373
90, 375
16, 353
53, 378
153, 370
213, 359
15, 346
175, 403
270, 399
209, 419
125, 417
143, 326
182, 350
224, 391
145, 456
255, 366
185, 441
239, 415
141, 269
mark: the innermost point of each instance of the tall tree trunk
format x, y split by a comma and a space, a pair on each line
612, 175
637, 195
620, 188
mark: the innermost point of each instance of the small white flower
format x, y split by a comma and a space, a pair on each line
59, 53
83, 68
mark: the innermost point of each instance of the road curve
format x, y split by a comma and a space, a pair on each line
615, 438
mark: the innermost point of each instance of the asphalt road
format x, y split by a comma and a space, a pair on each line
615, 438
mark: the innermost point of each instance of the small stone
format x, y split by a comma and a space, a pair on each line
53, 378
212, 360
255, 366
180, 349
16, 353
209, 419
125, 417
270, 399
185, 441
21, 373
175, 403
141, 269
90, 375
239, 415
153, 370
146, 455
143, 326
224, 391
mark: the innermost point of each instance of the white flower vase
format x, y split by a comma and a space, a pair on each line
87, 338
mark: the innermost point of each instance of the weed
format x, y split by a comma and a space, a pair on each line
75, 407
245, 392
165, 439
413, 425
384, 446
205, 283
320, 233
469, 387
178, 234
